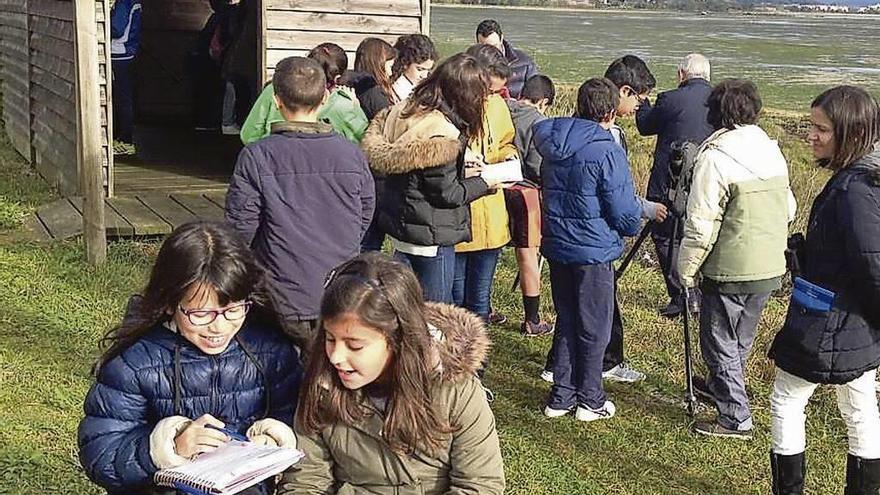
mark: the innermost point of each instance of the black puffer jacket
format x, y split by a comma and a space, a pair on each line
425, 198
368, 92
842, 254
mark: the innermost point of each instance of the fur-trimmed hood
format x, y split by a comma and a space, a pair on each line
396, 145
461, 340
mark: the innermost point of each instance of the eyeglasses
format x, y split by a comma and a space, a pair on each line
202, 317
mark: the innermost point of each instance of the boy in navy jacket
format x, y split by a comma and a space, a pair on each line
589, 205
302, 197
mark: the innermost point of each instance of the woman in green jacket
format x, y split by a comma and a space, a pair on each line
393, 404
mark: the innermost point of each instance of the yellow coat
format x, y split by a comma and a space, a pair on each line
489, 213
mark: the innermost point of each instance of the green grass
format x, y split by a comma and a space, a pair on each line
54, 308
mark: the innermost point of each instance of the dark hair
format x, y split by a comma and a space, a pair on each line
487, 27
370, 57
597, 98
855, 120
412, 49
733, 102
332, 58
299, 83
385, 295
537, 88
196, 253
631, 71
492, 59
458, 88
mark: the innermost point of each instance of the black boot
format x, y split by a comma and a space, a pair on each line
788, 473
862, 476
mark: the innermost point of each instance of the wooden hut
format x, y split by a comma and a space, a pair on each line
57, 101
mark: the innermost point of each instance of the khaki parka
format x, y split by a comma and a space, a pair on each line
355, 460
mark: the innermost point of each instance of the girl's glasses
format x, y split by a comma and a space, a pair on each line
202, 317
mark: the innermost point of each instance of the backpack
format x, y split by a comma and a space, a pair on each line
682, 158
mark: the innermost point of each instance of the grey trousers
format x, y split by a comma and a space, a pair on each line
727, 331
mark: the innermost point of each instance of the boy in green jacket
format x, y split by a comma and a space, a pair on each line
341, 109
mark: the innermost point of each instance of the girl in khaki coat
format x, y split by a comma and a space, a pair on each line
393, 405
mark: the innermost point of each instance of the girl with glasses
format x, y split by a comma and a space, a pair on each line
197, 353
391, 402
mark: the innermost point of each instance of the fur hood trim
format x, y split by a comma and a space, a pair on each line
462, 341
394, 145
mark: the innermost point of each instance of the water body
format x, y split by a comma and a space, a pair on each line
791, 58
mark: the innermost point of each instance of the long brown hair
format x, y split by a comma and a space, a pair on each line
385, 295
196, 253
370, 57
855, 118
458, 88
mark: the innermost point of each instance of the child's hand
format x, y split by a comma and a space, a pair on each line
197, 439
263, 439
661, 213
473, 159
472, 171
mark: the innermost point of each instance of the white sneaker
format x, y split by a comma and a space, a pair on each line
605, 412
555, 413
230, 129
547, 376
623, 373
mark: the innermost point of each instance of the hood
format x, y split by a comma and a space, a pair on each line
395, 145
523, 114
871, 164
559, 138
747, 145
461, 340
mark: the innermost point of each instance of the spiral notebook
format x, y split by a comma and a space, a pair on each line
229, 469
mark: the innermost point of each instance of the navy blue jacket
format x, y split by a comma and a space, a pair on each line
589, 199
677, 115
302, 198
125, 29
842, 254
522, 67
256, 377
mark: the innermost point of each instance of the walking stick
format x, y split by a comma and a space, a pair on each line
635, 249
518, 274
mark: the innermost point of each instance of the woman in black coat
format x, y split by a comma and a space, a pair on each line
834, 337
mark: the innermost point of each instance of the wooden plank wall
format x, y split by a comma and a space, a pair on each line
105, 82
295, 26
15, 73
53, 102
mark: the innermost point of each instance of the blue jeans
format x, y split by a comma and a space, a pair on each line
584, 299
435, 273
474, 272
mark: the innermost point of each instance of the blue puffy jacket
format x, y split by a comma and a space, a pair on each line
589, 197
256, 377
125, 29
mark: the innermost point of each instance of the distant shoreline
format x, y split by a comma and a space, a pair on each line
592, 10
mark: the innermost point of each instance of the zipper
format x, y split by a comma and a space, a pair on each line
214, 378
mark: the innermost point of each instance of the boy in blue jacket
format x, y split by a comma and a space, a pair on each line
302, 197
125, 40
589, 205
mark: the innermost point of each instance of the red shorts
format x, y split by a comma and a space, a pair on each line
524, 210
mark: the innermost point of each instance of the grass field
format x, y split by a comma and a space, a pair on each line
54, 308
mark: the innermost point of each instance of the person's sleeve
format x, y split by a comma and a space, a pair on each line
244, 200
649, 208
368, 196
313, 474
792, 206
114, 436
119, 17
649, 119
475, 453
532, 160
617, 195
258, 120
444, 189
860, 218
707, 201
356, 122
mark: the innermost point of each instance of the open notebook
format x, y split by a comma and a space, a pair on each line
229, 469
